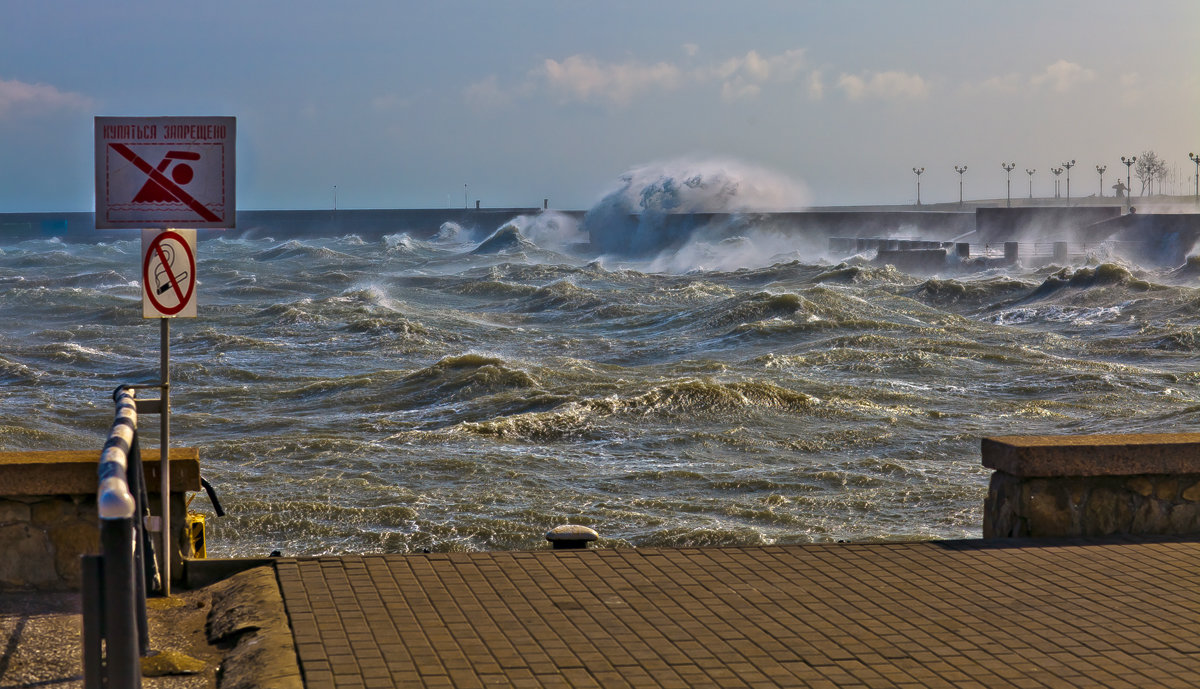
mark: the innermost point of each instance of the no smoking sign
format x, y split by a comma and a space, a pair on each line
169, 274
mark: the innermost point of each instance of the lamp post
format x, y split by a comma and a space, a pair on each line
918, 171
1057, 171
1008, 168
466, 193
1100, 169
1128, 189
335, 197
1068, 166
1196, 159
1030, 172
960, 170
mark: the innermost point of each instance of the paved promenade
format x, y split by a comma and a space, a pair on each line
983, 614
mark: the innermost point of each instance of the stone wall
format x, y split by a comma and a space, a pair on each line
1146, 504
1070, 486
41, 539
48, 516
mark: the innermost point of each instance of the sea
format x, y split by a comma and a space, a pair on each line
471, 389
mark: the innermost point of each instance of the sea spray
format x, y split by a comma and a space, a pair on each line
663, 205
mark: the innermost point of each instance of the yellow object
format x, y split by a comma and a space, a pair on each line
195, 532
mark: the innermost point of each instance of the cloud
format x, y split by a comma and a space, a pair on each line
586, 79
743, 76
1131, 88
487, 95
1004, 84
883, 85
737, 90
390, 101
816, 85
1062, 76
39, 97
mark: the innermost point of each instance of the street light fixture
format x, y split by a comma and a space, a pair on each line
1008, 168
1128, 188
1196, 159
960, 170
1100, 169
1030, 172
1069, 166
918, 172
1057, 171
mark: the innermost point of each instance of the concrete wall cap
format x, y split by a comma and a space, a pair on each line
1093, 455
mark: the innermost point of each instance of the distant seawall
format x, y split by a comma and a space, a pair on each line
279, 224
1162, 238
425, 223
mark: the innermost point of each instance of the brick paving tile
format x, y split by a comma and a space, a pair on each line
1116, 613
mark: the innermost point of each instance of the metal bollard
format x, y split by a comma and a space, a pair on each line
571, 537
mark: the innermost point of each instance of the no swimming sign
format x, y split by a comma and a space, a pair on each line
165, 172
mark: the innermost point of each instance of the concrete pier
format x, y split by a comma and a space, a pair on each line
964, 614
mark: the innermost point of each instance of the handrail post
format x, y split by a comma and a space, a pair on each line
120, 623
117, 614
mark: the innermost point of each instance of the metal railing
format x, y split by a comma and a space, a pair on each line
115, 633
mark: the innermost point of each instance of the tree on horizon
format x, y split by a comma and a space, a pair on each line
1149, 169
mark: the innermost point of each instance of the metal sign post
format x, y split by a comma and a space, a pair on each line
164, 443
168, 291
166, 172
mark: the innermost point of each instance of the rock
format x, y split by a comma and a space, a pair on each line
1140, 485
1184, 519
70, 540
12, 511
1192, 494
27, 560
53, 511
1165, 488
1049, 510
1150, 518
1107, 512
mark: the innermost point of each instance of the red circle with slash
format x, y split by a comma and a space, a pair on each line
156, 250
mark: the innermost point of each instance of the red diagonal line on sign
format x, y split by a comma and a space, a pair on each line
162, 257
162, 181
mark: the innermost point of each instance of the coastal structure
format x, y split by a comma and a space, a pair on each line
1161, 234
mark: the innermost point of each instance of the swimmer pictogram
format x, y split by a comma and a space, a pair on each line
158, 188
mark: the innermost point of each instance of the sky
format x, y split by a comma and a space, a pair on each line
403, 104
